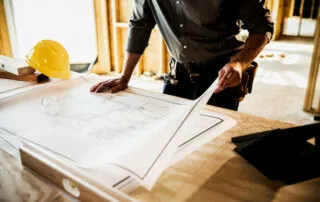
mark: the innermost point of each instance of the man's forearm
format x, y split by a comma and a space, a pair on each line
130, 63
253, 46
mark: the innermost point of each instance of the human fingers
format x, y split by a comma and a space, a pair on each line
222, 85
224, 76
221, 74
234, 79
103, 85
94, 87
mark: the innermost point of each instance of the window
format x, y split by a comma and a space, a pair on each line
71, 22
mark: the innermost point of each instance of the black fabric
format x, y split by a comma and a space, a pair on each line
191, 80
283, 154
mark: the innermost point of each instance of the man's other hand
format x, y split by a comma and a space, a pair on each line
229, 76
112, 85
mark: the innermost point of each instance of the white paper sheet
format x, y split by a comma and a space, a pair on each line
8, 85
134, 131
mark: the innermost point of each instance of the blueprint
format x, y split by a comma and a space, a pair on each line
135, 131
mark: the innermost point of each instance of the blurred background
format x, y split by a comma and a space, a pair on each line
95, 31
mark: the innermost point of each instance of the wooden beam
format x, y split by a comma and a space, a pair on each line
164, 66
301, 16
33, 77
153, 59
278, 12
5, 46
301, 8
140, 66
269, 4
122, 24
291, 8
312, 9
103, 39
116, 38
314, 69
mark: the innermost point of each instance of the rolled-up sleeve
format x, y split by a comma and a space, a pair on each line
256, 17
140, 27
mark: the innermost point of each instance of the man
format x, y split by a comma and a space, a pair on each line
200, 35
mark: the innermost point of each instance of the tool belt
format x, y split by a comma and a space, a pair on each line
239, 91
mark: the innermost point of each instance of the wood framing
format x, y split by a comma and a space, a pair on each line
269, 4
103, 40
312, 8
164, 63
278, 12
5, 46
301, 15
154, 60
314, 70
291, 8
115, 32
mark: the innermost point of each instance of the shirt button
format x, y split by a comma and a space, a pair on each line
177, 2
181, 25
185, 47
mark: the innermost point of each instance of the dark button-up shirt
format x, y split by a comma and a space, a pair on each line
197, 30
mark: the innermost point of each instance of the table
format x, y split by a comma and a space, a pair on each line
212, 173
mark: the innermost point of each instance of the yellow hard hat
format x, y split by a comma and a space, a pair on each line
50, 58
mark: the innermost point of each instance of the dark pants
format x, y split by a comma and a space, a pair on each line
190, 80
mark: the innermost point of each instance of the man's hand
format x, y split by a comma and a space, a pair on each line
229, 76
115, 85
112, 85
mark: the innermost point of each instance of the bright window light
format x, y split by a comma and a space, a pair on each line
69, 22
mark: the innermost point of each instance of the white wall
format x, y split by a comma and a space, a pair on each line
291, 26
70, 22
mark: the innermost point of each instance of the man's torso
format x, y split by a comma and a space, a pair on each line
197, 30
